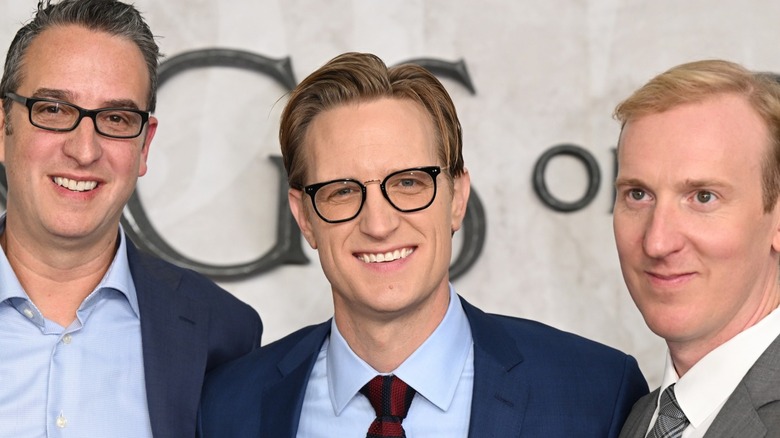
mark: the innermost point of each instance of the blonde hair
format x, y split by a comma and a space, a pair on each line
355, 77
698, 81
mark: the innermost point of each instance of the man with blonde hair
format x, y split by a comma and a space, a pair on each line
697, 226
378, 187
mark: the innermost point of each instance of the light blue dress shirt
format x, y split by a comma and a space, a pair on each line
86, 380
441, 370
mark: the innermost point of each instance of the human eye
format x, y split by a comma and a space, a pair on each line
118, 122
409, 182
53, 114
636, 194
343, 191
339, 192
705, 197
45, 108
48, 107
119, 118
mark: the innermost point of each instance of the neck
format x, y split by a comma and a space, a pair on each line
57, 278
686, 354
385, 344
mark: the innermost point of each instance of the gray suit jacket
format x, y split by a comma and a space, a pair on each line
752, 410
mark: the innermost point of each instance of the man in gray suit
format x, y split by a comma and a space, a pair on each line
697, 226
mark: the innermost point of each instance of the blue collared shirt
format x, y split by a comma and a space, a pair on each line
441, 370
86, 380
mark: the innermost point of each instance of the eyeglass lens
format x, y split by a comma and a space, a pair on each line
407, 191
62, 117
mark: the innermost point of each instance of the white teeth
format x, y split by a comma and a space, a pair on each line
385, 257
76, 186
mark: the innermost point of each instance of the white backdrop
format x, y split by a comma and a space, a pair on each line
546, 72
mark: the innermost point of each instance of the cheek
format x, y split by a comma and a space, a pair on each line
628, 236
330, 242
126, 161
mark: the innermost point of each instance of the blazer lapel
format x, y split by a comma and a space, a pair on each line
760, 386
500, 395
738, 417
279, 417
174, 331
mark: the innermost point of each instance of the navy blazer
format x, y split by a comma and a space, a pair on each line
530, 380
189, 325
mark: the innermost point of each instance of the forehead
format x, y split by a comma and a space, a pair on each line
376, 136
85, 63
723, 129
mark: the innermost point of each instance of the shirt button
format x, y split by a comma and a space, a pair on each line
62, 422
67, 338
27, 312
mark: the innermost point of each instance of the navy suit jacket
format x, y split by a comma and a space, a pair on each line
189, 325
530, 380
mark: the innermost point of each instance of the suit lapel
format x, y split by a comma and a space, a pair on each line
738, 417
281, 414
760, 387
174, 331
500, 394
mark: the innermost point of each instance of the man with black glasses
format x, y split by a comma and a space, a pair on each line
96, 338
378, 188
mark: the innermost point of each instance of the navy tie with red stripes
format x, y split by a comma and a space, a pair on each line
391, 398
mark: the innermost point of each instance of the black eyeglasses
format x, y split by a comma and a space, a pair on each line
406, 190
59, 116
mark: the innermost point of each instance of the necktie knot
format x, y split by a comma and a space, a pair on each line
671, 421
390, 397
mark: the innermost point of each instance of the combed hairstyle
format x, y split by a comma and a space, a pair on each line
698, 81
109, 16
362, 77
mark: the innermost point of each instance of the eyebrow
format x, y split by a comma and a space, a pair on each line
67, 96
628, 182
687, 184
704, 183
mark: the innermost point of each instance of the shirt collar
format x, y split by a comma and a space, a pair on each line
9, 284
117, 277
433, 370
726, 365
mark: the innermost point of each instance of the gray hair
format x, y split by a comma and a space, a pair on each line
110, 16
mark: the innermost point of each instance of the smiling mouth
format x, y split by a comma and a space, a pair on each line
73, 185
385, 257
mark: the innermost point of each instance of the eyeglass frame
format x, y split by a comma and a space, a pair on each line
91, 113
432, 171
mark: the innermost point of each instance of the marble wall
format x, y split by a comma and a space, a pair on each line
545, 73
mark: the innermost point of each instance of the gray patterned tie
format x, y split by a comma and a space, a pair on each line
671, 420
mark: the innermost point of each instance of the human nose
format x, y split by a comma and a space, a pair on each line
378, 218
83, 144
663, 232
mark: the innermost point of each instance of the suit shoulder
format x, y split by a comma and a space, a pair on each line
550, 341
247, 377
234, 327
264, 362
191, 283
